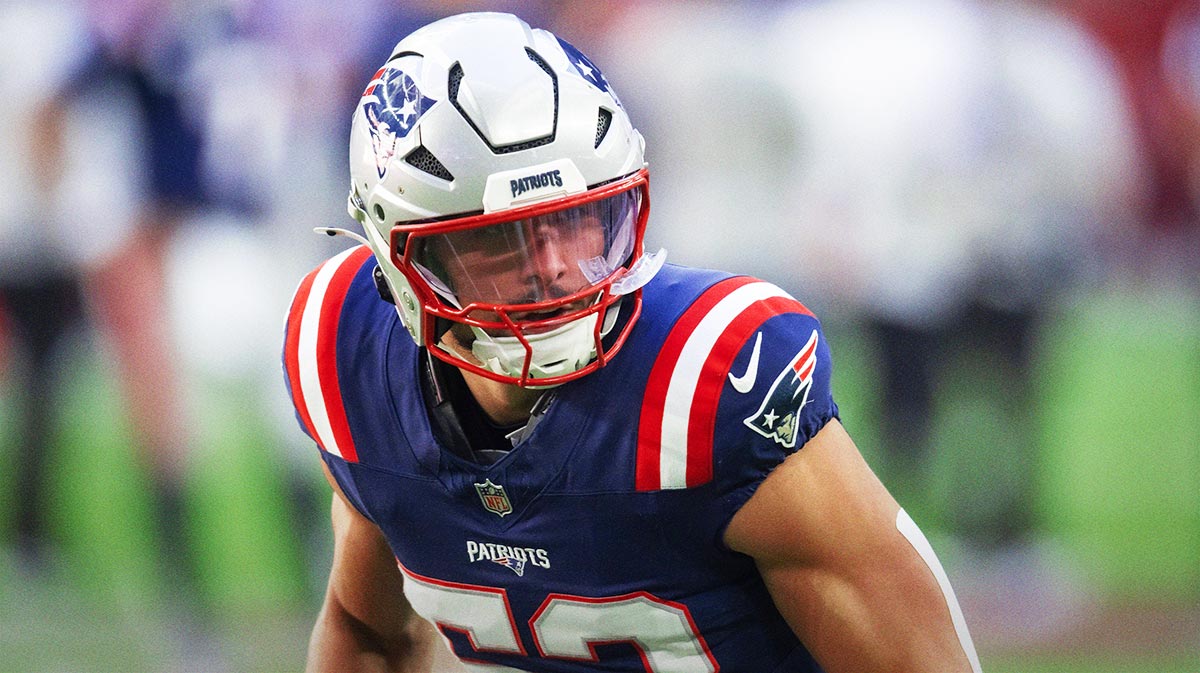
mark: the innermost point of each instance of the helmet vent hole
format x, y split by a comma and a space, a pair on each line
379, 215
456, 75
603, 121
423, 160
541, 63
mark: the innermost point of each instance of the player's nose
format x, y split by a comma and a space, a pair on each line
551, 258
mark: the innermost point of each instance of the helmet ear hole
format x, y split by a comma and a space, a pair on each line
379, 214
381, 286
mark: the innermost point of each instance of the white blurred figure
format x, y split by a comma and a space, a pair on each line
268, 165
695, 74
944, 141
91, 180
34, 66
67, 204
959, 164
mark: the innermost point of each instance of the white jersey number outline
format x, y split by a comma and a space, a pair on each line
564, 627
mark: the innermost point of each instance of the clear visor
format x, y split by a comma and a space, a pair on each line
533, 260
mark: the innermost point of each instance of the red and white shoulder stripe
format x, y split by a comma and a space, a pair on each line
310, 351
679, 412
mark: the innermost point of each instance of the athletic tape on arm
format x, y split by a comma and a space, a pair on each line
908, 528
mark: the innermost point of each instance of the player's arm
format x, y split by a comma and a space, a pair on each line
366, 624
842, 563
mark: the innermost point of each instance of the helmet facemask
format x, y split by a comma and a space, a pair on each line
528, 295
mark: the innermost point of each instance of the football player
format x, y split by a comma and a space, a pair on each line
551, 450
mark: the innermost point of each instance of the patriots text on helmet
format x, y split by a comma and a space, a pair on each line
522, 185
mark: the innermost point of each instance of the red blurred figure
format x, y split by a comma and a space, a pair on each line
1137, 34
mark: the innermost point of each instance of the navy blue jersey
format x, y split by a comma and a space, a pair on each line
596, 544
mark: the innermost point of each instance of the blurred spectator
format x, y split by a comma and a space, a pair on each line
958, 162
1155, 50
103, 165
41, 45
930, 171
695, 74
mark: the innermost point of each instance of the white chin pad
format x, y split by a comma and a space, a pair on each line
562, 350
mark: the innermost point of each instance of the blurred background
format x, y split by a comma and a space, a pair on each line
994, 205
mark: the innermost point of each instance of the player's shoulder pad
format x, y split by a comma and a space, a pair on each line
310, 355
780, 352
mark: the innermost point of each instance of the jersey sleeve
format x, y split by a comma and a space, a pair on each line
311, 361
775, 399
741, 382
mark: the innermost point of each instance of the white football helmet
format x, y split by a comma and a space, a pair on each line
504, 193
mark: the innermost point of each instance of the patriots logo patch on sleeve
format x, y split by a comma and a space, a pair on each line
779, 413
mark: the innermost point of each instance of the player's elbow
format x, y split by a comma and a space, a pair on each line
341, 641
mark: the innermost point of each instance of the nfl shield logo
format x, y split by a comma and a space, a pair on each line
494, 498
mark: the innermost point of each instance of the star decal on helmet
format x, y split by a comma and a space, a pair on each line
586, 69
394, 105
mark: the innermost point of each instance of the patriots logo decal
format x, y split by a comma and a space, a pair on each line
392, 105
779, 413
514, 564
587, 70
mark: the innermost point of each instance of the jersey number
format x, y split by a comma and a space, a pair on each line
564, 627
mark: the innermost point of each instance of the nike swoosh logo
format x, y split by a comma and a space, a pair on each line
745, 382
